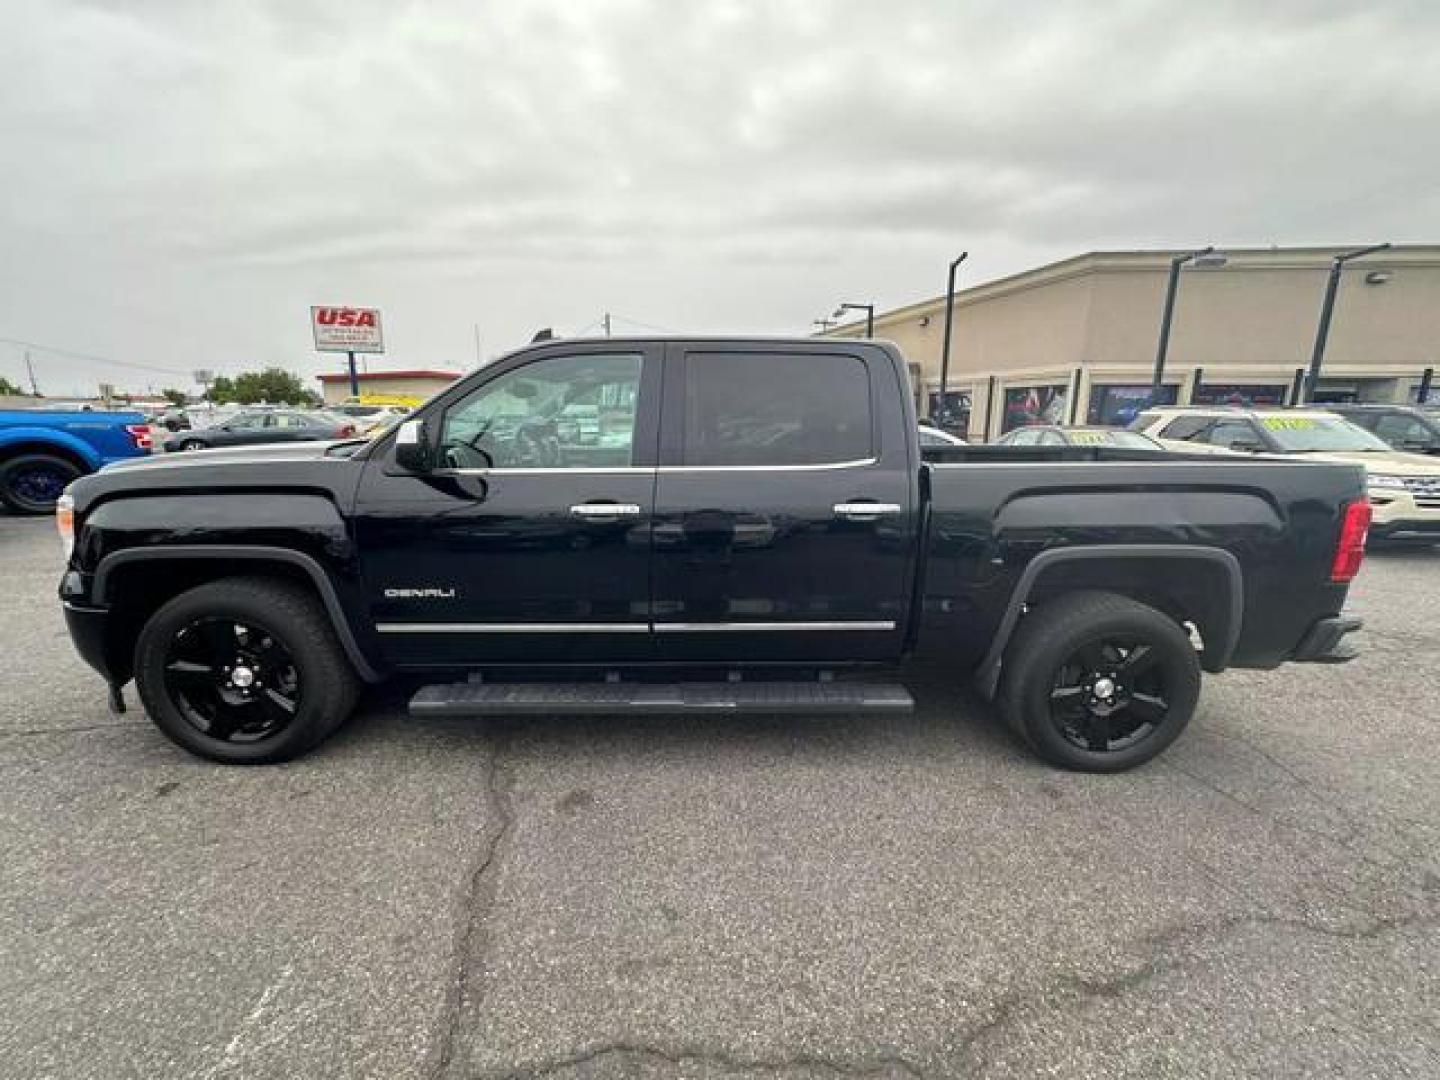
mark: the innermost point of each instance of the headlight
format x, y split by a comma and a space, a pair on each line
65, 522
1380, 480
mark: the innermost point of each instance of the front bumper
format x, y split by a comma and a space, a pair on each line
87, 627
1325, 642
1400, 515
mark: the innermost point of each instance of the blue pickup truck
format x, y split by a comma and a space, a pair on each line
41, 451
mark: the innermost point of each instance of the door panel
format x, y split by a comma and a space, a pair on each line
531, 545
754, 557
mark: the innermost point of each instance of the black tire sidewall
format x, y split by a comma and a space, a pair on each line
1051, 647
9, 468
320, 709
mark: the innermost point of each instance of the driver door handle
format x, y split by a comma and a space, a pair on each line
593, 510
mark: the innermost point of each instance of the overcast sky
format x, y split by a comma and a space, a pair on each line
182, 180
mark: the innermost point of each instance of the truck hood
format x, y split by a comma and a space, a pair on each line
1397, 463
237, 455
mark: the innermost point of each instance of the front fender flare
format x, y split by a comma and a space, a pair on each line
233, 552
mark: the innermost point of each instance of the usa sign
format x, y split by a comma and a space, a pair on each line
347, 329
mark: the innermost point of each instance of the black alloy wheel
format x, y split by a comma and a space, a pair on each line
1099, 682
244, 670
1109, 695
232, 680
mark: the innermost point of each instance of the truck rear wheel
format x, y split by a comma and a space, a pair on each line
1099, 682
245, 671
30, 483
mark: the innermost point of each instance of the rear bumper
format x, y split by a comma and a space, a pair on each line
1325, 643
87, 630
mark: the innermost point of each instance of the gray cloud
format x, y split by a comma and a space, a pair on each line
183, 180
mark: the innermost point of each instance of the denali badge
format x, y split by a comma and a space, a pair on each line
419, 594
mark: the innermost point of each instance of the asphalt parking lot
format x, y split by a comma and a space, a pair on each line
741, 897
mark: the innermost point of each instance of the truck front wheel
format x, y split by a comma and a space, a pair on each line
245, 671
1099, 682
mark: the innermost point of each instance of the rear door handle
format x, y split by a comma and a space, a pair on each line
861, 511
594, 510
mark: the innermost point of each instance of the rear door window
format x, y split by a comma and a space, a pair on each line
776, 409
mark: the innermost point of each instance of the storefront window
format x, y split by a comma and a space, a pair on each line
1243, 394
952, 414
1118, 405
1026, 405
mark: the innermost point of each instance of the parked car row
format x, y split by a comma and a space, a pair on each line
1396, 445
252, 427
42, 450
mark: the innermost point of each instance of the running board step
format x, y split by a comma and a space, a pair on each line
576, 699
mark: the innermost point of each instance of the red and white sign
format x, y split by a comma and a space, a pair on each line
347, 329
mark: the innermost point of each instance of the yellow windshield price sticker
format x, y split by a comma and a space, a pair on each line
1288, 423
1089, 438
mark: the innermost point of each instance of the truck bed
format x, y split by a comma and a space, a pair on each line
993, 511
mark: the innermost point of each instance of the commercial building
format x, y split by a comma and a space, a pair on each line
1075, 341
407, 387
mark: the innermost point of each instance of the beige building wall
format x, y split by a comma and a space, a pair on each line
1252, 320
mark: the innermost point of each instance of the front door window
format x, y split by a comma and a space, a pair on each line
564, 412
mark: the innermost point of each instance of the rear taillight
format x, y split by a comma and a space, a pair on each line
1351, 548
140, 435
347, 430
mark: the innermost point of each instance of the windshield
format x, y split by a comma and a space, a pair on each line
1309, 434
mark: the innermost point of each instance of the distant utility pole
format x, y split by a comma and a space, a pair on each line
823, 324
479, 359
30, 367
607, 324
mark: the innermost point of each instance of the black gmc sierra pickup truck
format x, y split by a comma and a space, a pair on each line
702, 525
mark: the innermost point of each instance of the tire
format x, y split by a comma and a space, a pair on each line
244, 723
190, 445
1048, 690
30, 483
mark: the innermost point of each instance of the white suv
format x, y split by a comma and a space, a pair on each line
1404, 488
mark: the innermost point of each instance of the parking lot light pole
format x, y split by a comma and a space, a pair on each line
869, 310
1171, 287
354, 377
1327, 311
949, 320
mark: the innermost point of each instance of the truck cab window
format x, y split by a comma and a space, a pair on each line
764, 409
563, 412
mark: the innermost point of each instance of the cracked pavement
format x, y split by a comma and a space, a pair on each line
825, 897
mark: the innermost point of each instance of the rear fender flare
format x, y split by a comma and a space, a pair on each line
987, 676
